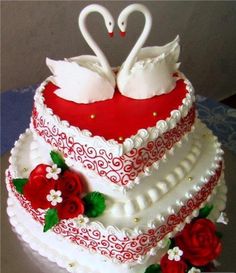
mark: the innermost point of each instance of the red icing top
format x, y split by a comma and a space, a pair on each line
117, 117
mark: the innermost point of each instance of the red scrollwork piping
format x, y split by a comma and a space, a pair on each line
122, 248
119, 170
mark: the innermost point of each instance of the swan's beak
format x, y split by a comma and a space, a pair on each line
122, 33
111, 34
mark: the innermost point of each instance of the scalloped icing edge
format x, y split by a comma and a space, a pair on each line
135, 141
132, 183
189, 160
159, 219
60, 259
154, 193
219, 193
123, 232
41, 248
213, 199
150, 171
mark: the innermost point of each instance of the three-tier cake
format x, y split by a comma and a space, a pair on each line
118, 181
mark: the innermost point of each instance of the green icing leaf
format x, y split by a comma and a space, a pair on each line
153, 268
19, 184
205, 211
51, 219
59, 160
94, 204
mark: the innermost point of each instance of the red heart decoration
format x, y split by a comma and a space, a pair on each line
119, 117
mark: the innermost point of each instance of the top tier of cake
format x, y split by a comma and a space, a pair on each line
120, 138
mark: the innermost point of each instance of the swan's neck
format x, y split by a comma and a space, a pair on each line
142, 38
90, 41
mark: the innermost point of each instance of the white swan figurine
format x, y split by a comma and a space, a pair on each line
85, 79
148, 71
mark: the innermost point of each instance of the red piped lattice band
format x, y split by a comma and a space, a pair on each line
123, 249
119, 170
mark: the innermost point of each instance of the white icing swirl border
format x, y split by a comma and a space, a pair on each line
219, 193
160, 218
155, 193
135, 141
124, 189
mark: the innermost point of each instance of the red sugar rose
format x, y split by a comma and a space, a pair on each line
38, 187
39, 170
70, 184
36, 191
168, 266
70, 208
199, 242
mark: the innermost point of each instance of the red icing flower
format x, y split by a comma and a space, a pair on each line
39, 170
199, 242
36, 191
70, 208
168, 266
70, 184
71, 187
38, 187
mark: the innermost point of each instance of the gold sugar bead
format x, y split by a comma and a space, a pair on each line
136, 220
154, 114
190, 178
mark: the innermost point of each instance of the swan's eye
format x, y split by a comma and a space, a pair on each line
122, 23
110, 23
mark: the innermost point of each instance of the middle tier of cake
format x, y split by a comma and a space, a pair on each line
155, 209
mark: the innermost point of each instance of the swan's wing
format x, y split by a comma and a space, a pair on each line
74, 66
167, 56
87, 87
155, 51
83, 59
77, 83
61, 68
151, 76
67, 70
171, 59
90, 62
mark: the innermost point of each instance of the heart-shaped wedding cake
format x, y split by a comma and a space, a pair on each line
116, 173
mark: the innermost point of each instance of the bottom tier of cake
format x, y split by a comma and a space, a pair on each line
76, 259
